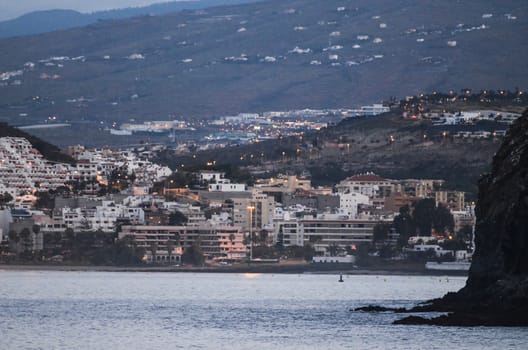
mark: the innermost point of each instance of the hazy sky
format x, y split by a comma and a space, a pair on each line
14, 8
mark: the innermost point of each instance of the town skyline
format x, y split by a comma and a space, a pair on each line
160, 211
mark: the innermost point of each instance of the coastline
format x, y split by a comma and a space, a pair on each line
290, 268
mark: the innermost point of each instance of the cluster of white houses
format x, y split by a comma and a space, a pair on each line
23, 170
219, 214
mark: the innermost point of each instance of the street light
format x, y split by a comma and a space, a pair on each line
250, 208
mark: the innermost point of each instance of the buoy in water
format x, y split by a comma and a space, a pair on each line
340, 278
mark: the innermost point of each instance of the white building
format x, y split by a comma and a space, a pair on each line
23, 169
286, 184
102, 217
433, 248
369, 184
256, 212
372, 110
216, 242
287, 233
227, 187
98, 164
348, 202
324, 231
213, 177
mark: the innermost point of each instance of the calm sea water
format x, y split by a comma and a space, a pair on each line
100, 310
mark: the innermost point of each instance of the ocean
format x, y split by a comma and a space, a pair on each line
136, 310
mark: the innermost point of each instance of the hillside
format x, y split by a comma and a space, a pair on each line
51, 20
48, 151
388, 144
360, 145
271, 55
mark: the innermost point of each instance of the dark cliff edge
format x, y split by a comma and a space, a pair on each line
496, 293
48, 151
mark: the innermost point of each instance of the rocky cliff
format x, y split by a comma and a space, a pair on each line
501, 235
496, 292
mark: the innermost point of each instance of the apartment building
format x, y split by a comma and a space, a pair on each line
324, 230
103, 217
368, 184
454, 200
216, 242
24, 170
255, 212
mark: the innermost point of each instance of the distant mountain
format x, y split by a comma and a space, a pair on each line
43, 21
269, 55
47, 21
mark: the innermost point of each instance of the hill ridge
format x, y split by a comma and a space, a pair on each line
269, 55
45, 21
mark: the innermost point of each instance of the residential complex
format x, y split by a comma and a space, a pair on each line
122, 193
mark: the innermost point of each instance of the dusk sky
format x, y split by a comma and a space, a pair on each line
14, 8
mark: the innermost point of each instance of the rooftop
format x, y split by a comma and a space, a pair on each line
368, 177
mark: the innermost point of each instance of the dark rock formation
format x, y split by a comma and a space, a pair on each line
460, 319
377, 308
502, 214
496, 292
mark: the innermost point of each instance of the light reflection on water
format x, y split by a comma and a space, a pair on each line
103, 310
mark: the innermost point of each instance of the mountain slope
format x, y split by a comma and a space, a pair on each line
52, 20
263, 56
41, 22
387, 145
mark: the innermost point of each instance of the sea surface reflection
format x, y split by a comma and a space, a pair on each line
127, 310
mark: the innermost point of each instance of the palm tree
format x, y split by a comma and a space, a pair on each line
5, 198
57, 238
25, 235
177, 239
380, 233
14, 239
153, 250
232, 240
70, 236
263, 237
170, 247
333, 249
36, 231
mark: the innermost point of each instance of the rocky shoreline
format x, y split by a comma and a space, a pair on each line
460, 312
496, 293
456, 319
